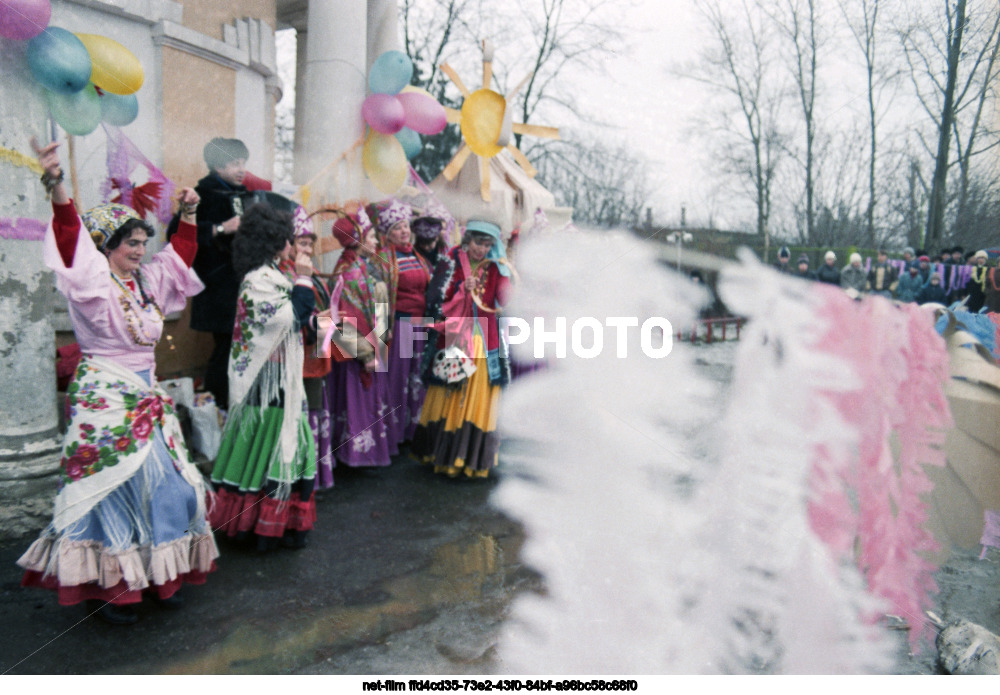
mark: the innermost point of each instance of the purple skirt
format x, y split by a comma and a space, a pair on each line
406, 389
360, 418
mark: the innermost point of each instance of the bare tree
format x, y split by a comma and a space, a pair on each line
798, 21
952, 61
604, 184
862, 17
563, 36
739, 64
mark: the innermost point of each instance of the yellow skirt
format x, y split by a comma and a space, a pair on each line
458, 426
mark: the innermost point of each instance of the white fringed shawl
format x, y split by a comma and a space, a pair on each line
266, 362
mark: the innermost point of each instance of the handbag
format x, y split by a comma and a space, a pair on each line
451, 365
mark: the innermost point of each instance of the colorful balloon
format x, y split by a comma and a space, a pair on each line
384, 113
78, 113
390, 72
116, 69
410, 141
384, 161
413, 89
24, 19
423, 113
482, 121
59, 61
119, 110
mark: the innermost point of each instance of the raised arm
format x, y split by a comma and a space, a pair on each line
185, 241
65, 221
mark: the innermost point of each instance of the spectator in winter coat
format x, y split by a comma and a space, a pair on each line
782, 265
932, 291
910, 284
803, 269
852, 276
882, 277
925, 268
828, 272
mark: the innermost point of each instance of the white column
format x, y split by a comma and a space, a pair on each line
29, 419
383, 29
329, 93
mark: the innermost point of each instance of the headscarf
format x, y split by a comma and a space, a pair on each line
427, 227
498, 253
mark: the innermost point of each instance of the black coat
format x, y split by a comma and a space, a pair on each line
214, 309
829, 274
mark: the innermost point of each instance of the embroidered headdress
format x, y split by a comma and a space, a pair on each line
392, 215
104, 220
302, 223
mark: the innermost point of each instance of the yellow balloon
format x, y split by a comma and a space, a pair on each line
482, 120
116, 69
384, 161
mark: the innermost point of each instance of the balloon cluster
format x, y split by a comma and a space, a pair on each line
396, 113
87, 78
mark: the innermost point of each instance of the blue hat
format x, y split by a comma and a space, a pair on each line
498, 252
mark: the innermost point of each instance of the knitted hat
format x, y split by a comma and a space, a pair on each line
925, 259
830, 256
783, 252
302, 223
392, 215
981, 253
804, 258
855, 257
908, 250
103, 220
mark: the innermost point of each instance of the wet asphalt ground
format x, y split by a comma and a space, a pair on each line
406, 572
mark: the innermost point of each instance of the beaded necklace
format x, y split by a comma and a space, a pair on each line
128, 300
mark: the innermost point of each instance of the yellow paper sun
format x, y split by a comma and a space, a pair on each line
486, 125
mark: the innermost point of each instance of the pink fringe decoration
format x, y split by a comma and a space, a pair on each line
123, 159
23, 228
875, 497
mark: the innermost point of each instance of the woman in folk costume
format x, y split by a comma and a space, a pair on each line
411, 273
129, 516
357, 390
265, 470
457, 433
315, 368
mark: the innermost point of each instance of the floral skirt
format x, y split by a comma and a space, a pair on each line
457, 433
360, 417
144, 536
247, 481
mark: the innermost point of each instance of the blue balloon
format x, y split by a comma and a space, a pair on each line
390, 72
119, 110
59, 61
78, 113
410, 140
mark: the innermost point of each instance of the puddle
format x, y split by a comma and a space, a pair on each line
471, 573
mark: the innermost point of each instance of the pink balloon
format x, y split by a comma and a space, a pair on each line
384, 113
24, 19
423, 114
